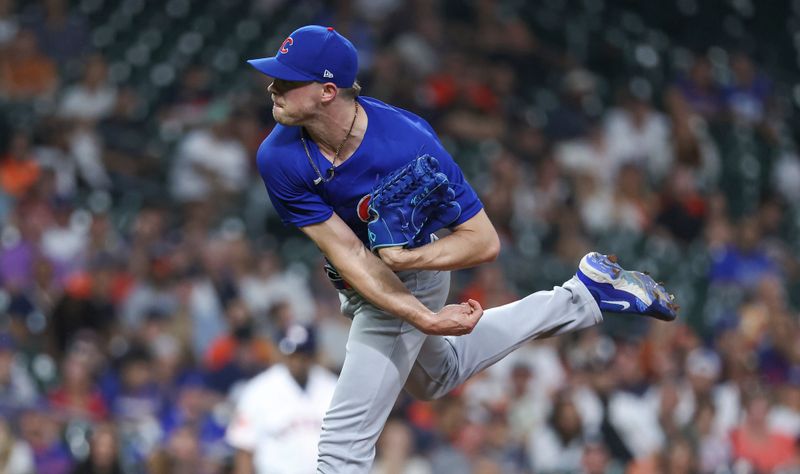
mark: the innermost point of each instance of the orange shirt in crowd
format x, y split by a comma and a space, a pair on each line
764, 454
223, 350
27, 78
17, 176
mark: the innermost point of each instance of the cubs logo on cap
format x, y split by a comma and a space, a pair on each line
312, 53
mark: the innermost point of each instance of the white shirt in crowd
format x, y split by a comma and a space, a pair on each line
226, 159
636, 422
548, 453
260, 294
279, 422
648, 145
80, 102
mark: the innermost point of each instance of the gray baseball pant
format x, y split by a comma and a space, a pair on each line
386, 354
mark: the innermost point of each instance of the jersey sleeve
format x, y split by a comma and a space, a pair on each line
242, 432
289, 193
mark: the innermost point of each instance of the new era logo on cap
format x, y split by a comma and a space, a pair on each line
312, 53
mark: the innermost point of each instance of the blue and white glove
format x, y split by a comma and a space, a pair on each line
410, 204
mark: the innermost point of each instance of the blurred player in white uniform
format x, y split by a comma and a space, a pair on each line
278, 418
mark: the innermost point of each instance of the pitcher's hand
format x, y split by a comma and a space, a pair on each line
454, 319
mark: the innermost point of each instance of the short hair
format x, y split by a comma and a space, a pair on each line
351, 92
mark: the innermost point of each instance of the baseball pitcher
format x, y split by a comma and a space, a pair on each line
369, 183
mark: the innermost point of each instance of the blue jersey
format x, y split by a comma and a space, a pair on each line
393, 138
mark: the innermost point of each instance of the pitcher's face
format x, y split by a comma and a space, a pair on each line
293, 102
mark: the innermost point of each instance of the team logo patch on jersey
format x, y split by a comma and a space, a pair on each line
363, 208
285, 45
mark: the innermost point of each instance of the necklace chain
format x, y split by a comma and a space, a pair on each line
332, 169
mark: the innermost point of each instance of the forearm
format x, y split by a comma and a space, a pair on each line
376, 282
471, 244
453, 252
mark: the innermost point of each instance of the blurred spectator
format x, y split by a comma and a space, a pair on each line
266, 283
210, 292
104, 455
577, 109
20, 250
596, 460
150, 240
152, 292
26, 73
450, 422
500, 196
786, 176
62, 32
754, 442
784, 416
124, 138
169, 351
91, 99
682, 209
698, 90
637, 133
745, 262
748, 95
16, 456
283, 440
588, 156
240, 353
692, 144
502, 446
46, 290
528, 404
19, 170
41, 429
417, 48
85, 305
713, 446
558, 445
773, 215
78, 395
65, 241
461, 92
679, 457
703, 370
72, 155
182, 454
211, 165
630, 409
9, 23
396, 451
134, 395
17, 389
193, 408
135, 402
186, 104
105, 245
628, 208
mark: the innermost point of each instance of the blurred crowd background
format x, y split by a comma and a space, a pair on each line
145, 276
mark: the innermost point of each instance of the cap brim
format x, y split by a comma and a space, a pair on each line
274, 68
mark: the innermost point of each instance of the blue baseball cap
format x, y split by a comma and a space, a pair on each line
313, 53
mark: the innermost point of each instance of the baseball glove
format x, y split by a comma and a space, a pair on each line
409, 204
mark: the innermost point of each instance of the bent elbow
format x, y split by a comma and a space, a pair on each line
492, 248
